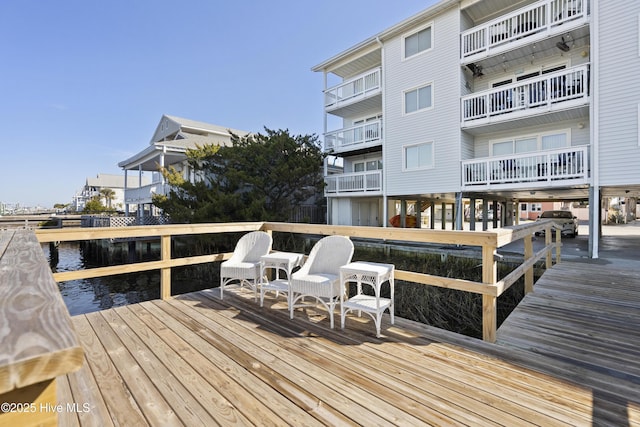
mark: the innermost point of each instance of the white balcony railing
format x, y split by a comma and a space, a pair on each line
353, 89
550, 165
357, 182
547, 91
143, 194
539, 17
363, 135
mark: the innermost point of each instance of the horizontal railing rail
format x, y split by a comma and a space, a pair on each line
353, 89
527, 22
489, 241
365, 134
550, 165
357, 182
547, 90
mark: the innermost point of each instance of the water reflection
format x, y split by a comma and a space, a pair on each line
87, 295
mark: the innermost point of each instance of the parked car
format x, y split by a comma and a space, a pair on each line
480, 215
564, 219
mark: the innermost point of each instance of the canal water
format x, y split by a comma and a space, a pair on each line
87, 295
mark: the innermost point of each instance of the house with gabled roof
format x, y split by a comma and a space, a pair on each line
168, 146
95, 184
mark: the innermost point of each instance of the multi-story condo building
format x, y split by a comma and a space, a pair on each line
496, 101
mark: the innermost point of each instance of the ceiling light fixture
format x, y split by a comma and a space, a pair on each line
563, 46
475, 69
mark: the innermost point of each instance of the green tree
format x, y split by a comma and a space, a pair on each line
260, 177
94, 206
108, 194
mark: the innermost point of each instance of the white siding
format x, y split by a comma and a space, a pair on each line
619, 92
440, 124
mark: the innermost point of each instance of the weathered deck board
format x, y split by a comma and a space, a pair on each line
588, 317
196, 359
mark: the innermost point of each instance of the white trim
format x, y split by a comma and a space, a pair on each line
412, 33
416, 88
404, 156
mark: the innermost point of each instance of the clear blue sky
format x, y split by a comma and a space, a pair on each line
84, 83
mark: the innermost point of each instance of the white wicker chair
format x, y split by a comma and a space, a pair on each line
319, 277
244, 264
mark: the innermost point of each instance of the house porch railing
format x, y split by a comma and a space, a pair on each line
354, 137
353, 89
539, 167
546, 91
538, 18
143, 194
357, 182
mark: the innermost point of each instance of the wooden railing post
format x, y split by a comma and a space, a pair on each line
558, 244
489, 302
165, 272
528, 254
547, 242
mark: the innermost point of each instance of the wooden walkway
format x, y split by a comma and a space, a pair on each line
195, 360
583, 322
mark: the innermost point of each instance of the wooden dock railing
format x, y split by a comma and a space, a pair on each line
490, 288
38, 340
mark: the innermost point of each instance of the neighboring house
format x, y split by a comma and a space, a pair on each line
490, 101
103, 181
168, 146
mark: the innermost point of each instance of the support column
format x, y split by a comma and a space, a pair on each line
432, 214
385, 211
594, 221
459, 218
443, 216
485, 220
494, 206
139, 211
472, 214
126, 181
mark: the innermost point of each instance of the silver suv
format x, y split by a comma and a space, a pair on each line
564, 219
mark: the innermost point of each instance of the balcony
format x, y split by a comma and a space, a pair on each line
567, 166
556, 91
354, 138
357, 183
367, 86
143, 194
534, 22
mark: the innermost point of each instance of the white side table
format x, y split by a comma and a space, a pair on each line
280, 262
372, 274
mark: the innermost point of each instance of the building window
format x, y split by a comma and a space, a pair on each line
419, 156
418, 99
417, 42
529, 144
367, 165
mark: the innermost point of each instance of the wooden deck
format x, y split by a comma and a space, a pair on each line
195, 360
583, 322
